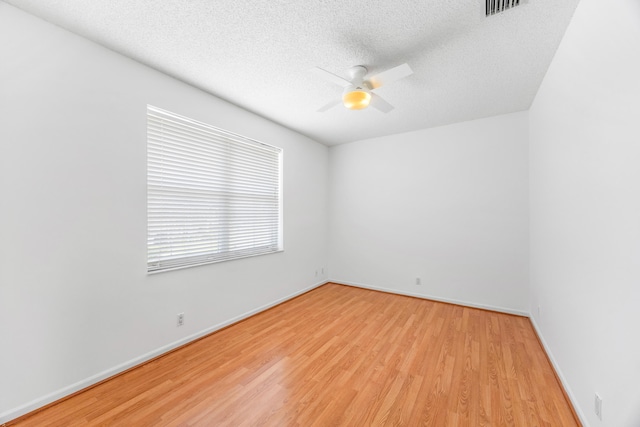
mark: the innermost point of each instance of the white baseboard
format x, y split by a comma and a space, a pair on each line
14, 413
563, 380
433, 298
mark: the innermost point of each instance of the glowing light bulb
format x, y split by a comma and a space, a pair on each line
356, 100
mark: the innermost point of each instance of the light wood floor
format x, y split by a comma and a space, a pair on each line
338, 356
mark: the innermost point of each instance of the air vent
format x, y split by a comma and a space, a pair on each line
497, 6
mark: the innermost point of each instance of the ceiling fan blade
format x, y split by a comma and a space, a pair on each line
330, 77
391, 75
380, 104
329, 105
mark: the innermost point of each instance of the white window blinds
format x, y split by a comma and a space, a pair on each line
211, 195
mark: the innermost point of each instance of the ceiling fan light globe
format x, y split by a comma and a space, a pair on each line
356, 100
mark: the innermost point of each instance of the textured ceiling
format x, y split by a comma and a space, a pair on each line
257, 54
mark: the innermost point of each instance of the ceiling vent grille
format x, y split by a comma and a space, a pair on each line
497, 6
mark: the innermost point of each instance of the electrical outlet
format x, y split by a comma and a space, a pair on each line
322, 271
418, 281
180, 319
598, 406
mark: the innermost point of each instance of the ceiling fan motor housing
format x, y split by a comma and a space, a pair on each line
357, 74
357, 95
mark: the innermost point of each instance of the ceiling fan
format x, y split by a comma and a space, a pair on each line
359, 90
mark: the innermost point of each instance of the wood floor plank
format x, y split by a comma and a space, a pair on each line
337, 356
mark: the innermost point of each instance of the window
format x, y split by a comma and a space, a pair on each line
211, 195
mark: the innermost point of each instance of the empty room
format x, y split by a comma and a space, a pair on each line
317, 213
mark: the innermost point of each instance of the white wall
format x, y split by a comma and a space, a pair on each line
75, 300
585, 210
448, 205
